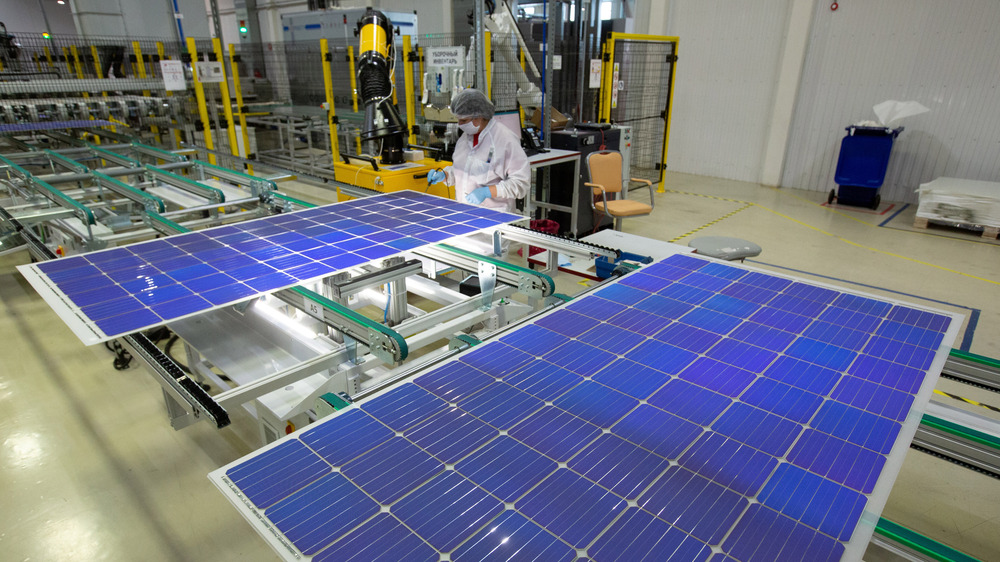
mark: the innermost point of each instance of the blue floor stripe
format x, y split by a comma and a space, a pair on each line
970, 327
894, 215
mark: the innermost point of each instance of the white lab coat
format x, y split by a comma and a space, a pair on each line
497, 160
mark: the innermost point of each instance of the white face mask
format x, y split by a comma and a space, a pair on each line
469, 128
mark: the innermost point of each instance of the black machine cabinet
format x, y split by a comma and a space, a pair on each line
584, 141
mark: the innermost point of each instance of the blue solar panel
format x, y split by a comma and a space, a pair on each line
653, 420
263, 255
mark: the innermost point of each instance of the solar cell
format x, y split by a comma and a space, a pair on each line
382, 539
318, 514
694, 504
661, 432
447, 510
511, 537
450, 435
711, 428
543, 380
392, 469
619, 465
260, 255
640, 536
571, 507
506, 468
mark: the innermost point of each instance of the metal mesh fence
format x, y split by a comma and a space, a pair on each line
643, 93
38, 56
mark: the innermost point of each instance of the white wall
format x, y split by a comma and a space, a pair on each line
26, 16
740, 70
940, 53
729, 58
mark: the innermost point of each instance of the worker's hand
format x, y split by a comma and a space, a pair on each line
435, 176
479, 195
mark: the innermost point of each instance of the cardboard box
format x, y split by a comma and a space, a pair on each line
558, 121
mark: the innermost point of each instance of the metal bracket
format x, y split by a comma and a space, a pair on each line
487, 282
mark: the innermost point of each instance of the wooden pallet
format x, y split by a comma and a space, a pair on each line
989, 232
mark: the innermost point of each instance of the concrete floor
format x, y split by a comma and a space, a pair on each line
90, 468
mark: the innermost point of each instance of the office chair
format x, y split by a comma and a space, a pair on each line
605, 168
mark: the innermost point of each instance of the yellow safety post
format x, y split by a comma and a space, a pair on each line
354, 79
354, 91
48, 56
606, 86
97, 66
420, 70
141, 69
38, 62
69, 60
488, 47
227, 102
199, 94
608, 99
324, 50
666, 126
238, 92
520, 108
177, 133
79, 74
98, 72
408, 84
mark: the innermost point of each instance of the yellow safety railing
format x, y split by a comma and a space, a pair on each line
408, 84
238, 92
324, 50
199, 94
609, 77
227, 102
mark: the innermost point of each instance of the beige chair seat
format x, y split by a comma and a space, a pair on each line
624, 208
606, 194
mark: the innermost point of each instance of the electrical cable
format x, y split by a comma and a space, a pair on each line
122, 358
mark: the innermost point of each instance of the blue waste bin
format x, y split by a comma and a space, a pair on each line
864, 158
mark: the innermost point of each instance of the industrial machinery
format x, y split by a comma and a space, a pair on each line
382, 126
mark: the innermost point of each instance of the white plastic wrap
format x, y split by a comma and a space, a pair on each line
961, 201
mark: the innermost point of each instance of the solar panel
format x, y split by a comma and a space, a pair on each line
106, 294
673, 415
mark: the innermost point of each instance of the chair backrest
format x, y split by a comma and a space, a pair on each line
605, 169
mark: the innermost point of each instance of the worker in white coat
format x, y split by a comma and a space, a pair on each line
490, 167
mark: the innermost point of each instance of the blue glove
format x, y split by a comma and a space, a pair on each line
479, 195
435, 176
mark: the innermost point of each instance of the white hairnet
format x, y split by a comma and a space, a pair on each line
471, 103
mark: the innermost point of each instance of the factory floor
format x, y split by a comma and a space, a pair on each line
90, 468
